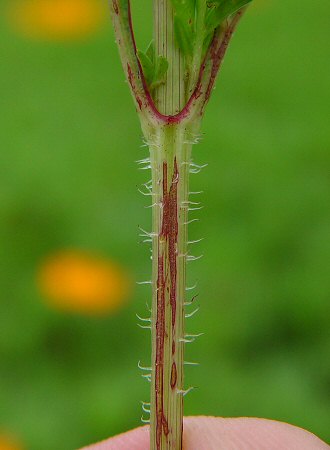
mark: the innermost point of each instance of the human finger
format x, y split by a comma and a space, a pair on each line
215, 433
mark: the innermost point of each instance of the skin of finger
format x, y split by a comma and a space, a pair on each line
214, 433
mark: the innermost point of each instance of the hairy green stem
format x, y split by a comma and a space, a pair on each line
170, 120
170, 158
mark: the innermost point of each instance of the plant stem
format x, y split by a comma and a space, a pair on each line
170, 120
170, 158
198, 48
169, 97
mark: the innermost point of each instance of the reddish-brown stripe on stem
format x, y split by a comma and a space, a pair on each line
174, 376
131, 80
160, 339
173, 237
115, 6
170, 229
166, 283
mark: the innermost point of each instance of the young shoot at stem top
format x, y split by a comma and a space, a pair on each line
195, 22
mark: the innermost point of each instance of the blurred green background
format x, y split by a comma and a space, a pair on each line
69, 138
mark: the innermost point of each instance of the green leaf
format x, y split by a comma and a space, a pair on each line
161, 67
150, 52
147, 67
188, 14
184, 8
154, 67
184, 22
184, 36
220, 10
207, 40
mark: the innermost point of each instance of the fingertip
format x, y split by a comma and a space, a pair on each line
214, 433
137, 439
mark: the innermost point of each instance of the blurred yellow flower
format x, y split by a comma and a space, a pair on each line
7, 443
74, 281
57, 19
